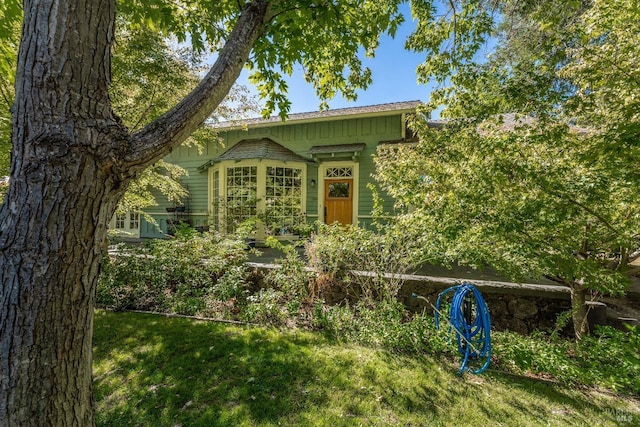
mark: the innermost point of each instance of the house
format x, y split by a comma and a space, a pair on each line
314, 166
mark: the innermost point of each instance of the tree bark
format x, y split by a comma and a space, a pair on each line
72, 161
579, 310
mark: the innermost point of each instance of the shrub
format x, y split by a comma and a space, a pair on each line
168, 275
292, 278
384, 324
205, 274
265, 307
377, 257
609, 358
232, 284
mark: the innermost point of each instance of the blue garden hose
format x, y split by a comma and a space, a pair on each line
473, 332
469, 317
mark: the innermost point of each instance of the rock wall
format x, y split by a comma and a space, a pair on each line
509, 310
518, 308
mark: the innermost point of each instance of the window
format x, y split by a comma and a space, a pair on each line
283, 204
121, 219
339, 172
242, 186
126, 224
339, 190
134, 220
270, 191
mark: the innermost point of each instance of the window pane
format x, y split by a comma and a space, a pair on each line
241, 195
120, 220
283, 209
339, 190
134, 220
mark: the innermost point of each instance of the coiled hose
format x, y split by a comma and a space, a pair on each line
469, 317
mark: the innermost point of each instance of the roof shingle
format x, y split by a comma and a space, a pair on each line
399, 107
263, 148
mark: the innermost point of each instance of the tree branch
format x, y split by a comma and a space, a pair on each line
157, 139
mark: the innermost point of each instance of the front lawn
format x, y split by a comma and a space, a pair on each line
157, 371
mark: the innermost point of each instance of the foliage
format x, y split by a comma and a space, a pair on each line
3, 188
295, 222
384, 324
339, 251
293, 277
265, 307
232, 285
609, 358
10, 17
310, 23
173, 275
509, 180
515, 203
284, 296
151, 74
300, 32
162, 178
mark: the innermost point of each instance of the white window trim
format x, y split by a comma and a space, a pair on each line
127, 231
322, 168
261, 183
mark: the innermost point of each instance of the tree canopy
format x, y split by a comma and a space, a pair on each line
534, 171
73, 158
541, 189
151, 73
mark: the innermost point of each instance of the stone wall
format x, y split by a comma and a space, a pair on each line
521, 308
509, 311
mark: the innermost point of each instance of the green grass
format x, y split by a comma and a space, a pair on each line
157, 371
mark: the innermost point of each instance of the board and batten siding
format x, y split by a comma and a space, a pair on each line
299, 138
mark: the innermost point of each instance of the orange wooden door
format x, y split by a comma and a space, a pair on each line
338, 201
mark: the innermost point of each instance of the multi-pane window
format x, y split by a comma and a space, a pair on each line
270, 192
216, 199
126, 223
134, 220
283, 202
121, 219
242, 184
339, 172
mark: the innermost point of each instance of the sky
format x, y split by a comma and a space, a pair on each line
393, 71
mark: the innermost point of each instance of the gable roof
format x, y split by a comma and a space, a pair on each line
317, 116
263, 148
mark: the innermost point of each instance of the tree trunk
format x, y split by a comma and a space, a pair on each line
53, 221
71, 163
579, 310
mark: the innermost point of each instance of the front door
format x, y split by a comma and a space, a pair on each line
338, 201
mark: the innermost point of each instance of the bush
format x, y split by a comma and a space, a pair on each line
170, 275
609, 358
265, 307
205, 274
292, 278
384, 324
379, 257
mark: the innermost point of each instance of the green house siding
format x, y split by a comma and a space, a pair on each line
297, 137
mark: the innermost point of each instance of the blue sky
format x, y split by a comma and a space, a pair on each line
393, 70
